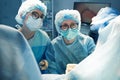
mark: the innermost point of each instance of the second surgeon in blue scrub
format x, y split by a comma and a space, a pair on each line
71, 46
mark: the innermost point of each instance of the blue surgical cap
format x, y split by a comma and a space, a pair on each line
67, 14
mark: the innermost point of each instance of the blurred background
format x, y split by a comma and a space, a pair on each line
87, 8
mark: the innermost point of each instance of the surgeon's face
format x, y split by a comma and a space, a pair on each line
68, 24
34, 20
69, 30
35, 14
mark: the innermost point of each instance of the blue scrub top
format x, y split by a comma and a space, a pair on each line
39, 44
66, 54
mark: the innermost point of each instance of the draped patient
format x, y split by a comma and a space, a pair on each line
104, 62
17, 61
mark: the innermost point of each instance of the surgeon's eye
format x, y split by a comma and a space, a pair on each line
74, 25
66, 26
36, 15
42, 16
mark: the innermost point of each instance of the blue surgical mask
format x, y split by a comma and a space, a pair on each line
34, 24
70, 33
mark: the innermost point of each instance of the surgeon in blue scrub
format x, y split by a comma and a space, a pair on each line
30, 15
71, 46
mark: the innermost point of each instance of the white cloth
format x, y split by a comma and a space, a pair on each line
16, 58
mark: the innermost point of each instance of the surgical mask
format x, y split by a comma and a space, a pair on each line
70, 33
34, 24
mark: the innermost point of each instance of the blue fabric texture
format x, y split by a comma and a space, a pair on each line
39, 44
17, 61
65, 54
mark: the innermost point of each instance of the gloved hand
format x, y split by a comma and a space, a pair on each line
43, 65
69, 67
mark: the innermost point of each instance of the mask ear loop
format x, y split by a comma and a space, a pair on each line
23, 16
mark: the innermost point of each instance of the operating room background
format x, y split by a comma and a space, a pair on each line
9, 9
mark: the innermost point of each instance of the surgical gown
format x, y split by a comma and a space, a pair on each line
66, 54
39, 44
101, 20
17, 61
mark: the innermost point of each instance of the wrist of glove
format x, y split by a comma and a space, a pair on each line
43, 64
70, 67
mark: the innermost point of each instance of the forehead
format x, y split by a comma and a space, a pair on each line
68, 22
